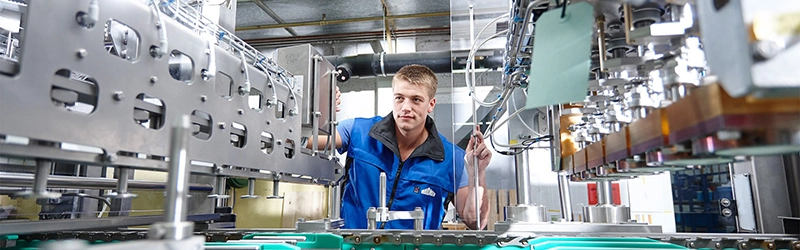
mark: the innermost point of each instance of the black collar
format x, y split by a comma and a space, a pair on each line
432, 147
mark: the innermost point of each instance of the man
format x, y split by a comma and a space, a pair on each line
421, 166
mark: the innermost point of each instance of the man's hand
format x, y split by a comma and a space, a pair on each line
338, 99
483, 153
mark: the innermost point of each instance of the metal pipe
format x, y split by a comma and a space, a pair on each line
554, 113
274, 16
792, 165
175, 205
523, 177
601, 41
342, 21
58, 181
475, 122
628, 16
358, 36
382, 190
564, 194
370, 64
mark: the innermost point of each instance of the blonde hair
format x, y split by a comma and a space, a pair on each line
418, 75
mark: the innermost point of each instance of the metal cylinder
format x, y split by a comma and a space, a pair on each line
372, 222
525, 213
605, 195
791, 164
122, 180
42, 173
564, 194
175, 205
523, 177
251, 186
276, 186
382, 190
219, 189
606, 214
418, 222
333, 201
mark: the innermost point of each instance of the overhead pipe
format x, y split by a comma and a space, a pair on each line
382, 64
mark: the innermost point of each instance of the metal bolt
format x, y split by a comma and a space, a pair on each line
743, 245
771, 245
119, 95
222, 125
727, 212
725, 202
376, 240
111, 157
82, 53
240, 111
153, 79
717, 245
797, 246
203, 98
357, 240
691, 244
768, 49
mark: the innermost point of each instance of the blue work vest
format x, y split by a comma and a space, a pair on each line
424, 180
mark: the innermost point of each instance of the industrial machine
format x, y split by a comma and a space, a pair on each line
623, 89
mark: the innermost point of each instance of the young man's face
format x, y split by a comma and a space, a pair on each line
411, 105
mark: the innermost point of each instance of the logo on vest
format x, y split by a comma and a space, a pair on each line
416, 189
429, 192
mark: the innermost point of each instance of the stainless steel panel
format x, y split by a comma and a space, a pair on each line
29, 112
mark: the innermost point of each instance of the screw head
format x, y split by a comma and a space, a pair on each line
82, 53
691, 244
222, 125
727, 212
717, 245
240, 111
725, 202
203, 98
771, 245
119, 95
111, 158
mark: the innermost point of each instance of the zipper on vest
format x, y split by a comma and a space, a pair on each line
394, 188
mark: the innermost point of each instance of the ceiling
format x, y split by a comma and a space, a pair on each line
264, 21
